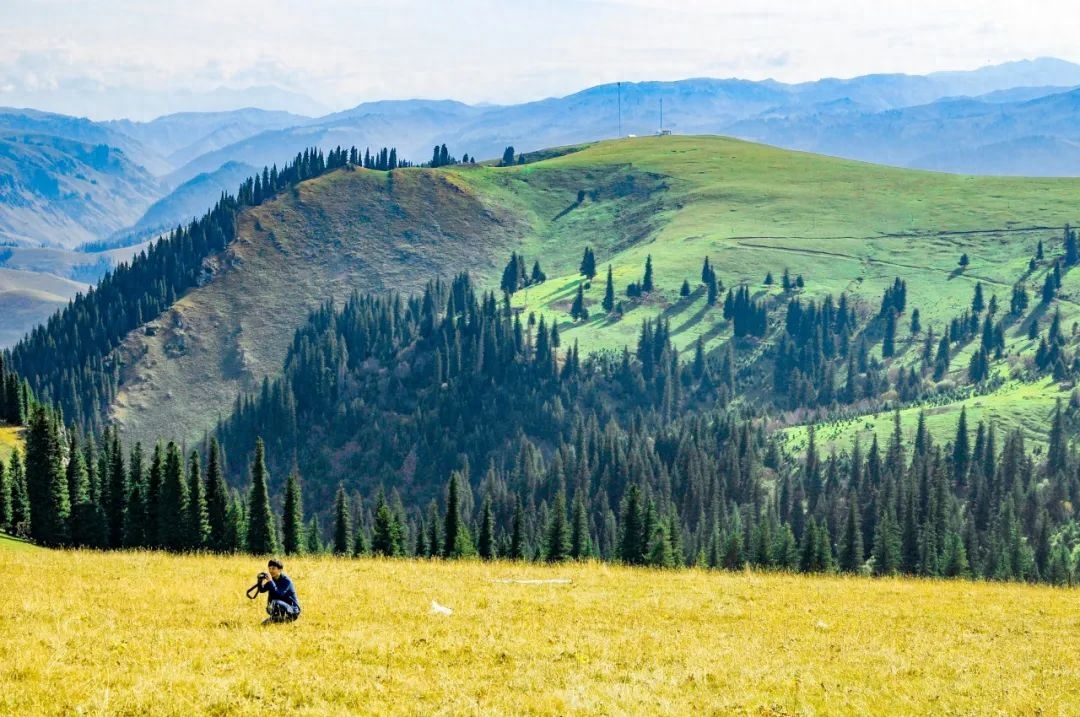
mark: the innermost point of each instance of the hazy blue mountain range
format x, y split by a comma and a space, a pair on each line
68, 182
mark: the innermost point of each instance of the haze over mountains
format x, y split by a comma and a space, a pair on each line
68, 183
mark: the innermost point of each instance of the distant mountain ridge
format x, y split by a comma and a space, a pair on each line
1017, 118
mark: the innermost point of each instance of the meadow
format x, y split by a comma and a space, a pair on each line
133, 633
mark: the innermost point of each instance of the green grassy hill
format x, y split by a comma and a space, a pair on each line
844, 226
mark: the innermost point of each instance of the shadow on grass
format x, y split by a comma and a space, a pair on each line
693, 321
564, 212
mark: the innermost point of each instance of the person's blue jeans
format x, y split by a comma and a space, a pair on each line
281, 611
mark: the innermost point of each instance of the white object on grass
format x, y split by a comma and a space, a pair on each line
438, 609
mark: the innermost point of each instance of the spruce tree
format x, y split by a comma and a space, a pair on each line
217, 497
292, 519
485, 543
588, 264
20, 497
343, 532
609, 293
517, 532
888, 343
198, 526
261, 532
235, 524
385, 534
46, 481
118, 490
314, 536
685, 290
580, 544
5, 499
647, 282
457, 542
630, 547
155, 478
578, 309
851, 546
557, 543
173, 503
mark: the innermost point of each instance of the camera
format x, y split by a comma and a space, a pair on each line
262, 576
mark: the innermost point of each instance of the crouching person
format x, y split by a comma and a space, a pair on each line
281, 602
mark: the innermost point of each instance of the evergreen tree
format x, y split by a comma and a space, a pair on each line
20, 497
888, 344
578, 309
916, 324
517, 532
314, 544
557, 543
386, 535
630, 548
647, 282
486, 541
580, 543
173, 502
198, 527
343, 531
588, 264
508, 157
292, 519
457, 542
851, 547
5, 499
261, 531
217, 498
685, 290
46, 481
609, 293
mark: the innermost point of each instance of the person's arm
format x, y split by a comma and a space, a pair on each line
269, 586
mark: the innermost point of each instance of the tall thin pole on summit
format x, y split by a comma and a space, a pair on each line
620, 110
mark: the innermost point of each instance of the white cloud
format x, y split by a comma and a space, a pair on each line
342, 51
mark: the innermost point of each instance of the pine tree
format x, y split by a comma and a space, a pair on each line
588, 264
609, 293
385, 536
647, 282
578, 309
173, 502
888, 343
20, 497
486, 541
457, 542
236, 524
314, 537
580, 544
261, 531
517, 532
685, 290
292, 519
343, 532
630, 547
46, 482
5, 499
557, 543
198, 527
217, 498
851, 547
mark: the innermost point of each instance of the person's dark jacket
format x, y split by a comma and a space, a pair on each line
280, 589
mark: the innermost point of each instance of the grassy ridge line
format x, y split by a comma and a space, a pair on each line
614, 641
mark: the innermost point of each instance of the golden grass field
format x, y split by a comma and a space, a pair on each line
147, 633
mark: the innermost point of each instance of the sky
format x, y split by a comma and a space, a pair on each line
132, 58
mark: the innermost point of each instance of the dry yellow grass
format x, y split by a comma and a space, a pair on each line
10, 438
145, 633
